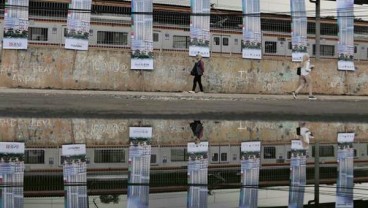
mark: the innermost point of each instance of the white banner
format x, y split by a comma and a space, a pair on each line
251, 146
16, 24
298, 30
12, 147
78, 22
194, 148
200, 28
140, 132
73, 149
345, 137
252, 35
142, 35
296, 145
345, 19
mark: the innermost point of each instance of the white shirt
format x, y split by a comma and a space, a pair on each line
306, 69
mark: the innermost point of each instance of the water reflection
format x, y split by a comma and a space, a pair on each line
121, 164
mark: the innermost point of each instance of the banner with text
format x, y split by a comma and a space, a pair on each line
78, 22
142, 35
298, 160
16, 24
250, 163
73, 160
197, 174
345, 48
345, 161
252, 35
200, 28
298, 30
11, 174
139, 166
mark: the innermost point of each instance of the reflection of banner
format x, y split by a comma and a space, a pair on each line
252, 36
16, 24
200, 28
345, 19
297, 174
197, 174
345, 181
78, 25
11, 174
250, 162
142, 35
299, 30
75, 175
139, 166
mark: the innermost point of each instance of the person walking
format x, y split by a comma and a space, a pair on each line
305, 78
197, 72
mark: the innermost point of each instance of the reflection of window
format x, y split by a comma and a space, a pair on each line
355, 49
156, 37
325, 50
110, 156
112, 38
270, 47
224, 157
269, 152
290, 46
38, 34
181, 41
225, 41
236, 41
324, 151
34, 157
153, 158
216, 40
215, 157
178, 155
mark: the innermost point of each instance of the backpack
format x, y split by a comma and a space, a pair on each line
298, 71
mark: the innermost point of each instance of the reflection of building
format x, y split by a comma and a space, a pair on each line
75, 179
11, 177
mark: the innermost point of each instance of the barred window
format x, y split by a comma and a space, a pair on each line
270, 47
38, 33
181, 41
156, 37
34, 157
110, 156
225, 41
325, 50
178, 155
224, 157
269, 152
112, 38
324, 151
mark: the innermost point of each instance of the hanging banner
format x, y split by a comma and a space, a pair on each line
11, 174
142, 35
139, 166
197, 174
73, 159
345, 20
250, 163
345, 161
16, 24
298, 161
298, 30
200, 28
78, 22
252, 36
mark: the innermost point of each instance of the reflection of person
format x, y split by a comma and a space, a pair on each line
197, 129
198, 72
305, 78
306, 135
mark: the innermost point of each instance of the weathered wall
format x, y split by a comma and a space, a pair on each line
98, 132
58, 68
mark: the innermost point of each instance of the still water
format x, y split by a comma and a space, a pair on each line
181, 163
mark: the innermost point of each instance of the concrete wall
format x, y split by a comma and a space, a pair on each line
56, 68
43, 132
